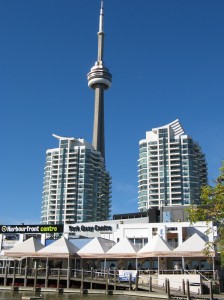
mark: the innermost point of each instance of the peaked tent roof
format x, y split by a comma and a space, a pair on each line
96, 248
80, 242
193, 246
26, 248
155, 247
60, 248
123, 249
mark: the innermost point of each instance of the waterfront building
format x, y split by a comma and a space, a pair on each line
171, 169
77, 186
138, 231
169, 250
146, 246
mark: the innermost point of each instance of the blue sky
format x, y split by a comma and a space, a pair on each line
167, 62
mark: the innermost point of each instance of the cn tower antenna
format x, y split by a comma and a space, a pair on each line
101, 17
99, 79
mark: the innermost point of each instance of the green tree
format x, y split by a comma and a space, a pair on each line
211, 209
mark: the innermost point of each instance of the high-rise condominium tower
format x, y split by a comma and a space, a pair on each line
77, 186
172, 168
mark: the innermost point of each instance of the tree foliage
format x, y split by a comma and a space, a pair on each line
211, 209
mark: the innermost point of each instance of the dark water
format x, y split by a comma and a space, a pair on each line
8, 295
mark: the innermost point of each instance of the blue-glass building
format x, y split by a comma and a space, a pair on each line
77, 187
172, 168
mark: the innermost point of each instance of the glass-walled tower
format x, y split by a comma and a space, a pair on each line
172, 168
77, 186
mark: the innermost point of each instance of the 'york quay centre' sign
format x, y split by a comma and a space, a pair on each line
31, 228
90, 228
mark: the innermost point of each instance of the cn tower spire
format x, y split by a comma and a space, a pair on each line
99, 79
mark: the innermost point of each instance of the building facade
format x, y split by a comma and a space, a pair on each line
138, 231
76, 184
173, 251
172, 168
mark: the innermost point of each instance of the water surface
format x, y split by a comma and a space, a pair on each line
9, 295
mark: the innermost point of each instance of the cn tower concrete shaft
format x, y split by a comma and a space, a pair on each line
99, 79
98, 125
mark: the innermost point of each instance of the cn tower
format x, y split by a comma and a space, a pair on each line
99, 79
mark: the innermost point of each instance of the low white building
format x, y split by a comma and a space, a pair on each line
138, 231
175, 248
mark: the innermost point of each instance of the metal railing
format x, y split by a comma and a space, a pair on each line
101, 273
206, 274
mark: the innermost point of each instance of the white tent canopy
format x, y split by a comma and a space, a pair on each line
60, 248
26, 248
155, 247
96, 248
193, 246
123, 249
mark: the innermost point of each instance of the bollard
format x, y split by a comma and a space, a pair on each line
188, 290
150, 284
35, 279
58, 279
136, 281
130, 282
183, 286
210, 290
107, 280
5, 276
46, 277
25, 276
91, 276
168, 289
82, 280
166, 285
68, 277
14, 276
115, 279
